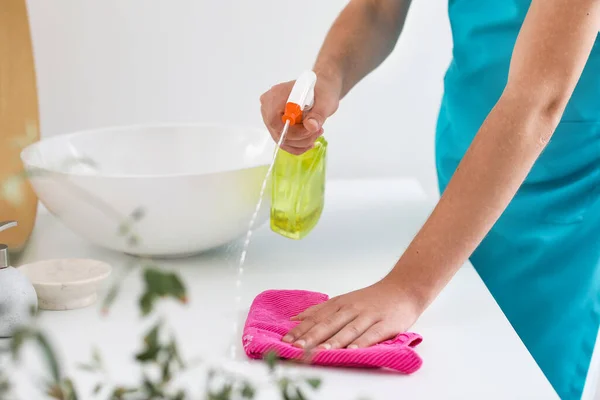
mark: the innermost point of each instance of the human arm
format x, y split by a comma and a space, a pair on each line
360, 39
551, 51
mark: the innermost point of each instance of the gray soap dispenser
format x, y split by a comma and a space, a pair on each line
17, 294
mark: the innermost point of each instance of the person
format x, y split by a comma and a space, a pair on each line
518, 163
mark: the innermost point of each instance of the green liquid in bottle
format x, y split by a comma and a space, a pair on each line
298, 191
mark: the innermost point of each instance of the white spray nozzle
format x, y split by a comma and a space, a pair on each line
301, 97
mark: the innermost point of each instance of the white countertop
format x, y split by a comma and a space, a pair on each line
470, 351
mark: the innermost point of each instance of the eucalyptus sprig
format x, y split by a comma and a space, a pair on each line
160, 361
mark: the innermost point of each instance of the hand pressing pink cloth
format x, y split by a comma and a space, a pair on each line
269, 320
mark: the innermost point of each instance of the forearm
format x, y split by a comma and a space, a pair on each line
360, 39
492, 170
549, 56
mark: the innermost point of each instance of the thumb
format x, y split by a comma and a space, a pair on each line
323, 108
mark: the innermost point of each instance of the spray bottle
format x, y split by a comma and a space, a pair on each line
298, 181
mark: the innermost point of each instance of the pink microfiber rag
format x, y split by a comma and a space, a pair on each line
269, 320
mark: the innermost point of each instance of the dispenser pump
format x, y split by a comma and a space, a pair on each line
18, 296
301, 98
4, 257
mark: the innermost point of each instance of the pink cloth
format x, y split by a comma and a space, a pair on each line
269, 320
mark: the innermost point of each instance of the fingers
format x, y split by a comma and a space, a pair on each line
301, 146
377, 333
349, 333
297, 136
300, 137
326, 103
310, 319
316, 329
309, 311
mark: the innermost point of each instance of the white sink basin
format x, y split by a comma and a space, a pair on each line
194, 186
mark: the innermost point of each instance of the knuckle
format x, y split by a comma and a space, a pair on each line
294, 332
353, 329
376, 333
351, 309
278, 88
316, 115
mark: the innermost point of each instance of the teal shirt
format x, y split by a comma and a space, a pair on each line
541, 261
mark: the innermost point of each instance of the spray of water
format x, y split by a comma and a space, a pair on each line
242, 261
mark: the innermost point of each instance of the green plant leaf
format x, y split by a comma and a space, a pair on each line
271, 360
33, 311
248, 391
133, 240
20, 336
69, 389
152, 389
284, 384
160, 284
152, 347
166, 372
110, 297
54, 391
87, 367
151, 338
315, 383
124, 228
138, 214
155, 280
165, 284
179, 395
51, 359
113, 292
147, 303
5, 387
96, 357
173, 351
149, 354
120, 392
97, 388
226, 392
300, 394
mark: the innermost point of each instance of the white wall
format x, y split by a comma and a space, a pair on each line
108, 62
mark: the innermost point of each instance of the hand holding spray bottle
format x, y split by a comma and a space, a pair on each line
298, 181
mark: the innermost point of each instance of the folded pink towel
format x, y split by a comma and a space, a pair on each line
269, 320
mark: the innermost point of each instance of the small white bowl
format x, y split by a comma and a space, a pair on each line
66, 284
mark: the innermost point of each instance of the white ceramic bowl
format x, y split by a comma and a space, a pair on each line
196, 185
66, 284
